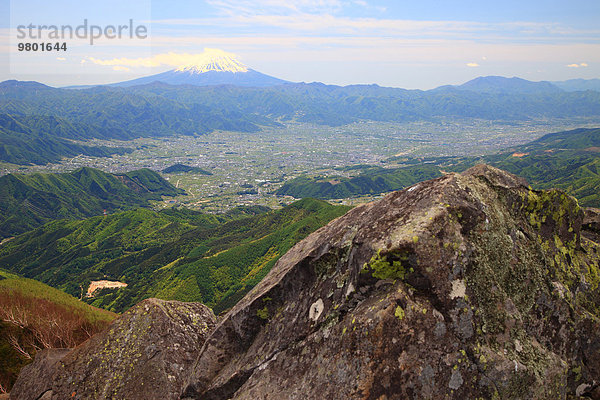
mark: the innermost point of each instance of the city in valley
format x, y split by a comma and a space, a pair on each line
247, 168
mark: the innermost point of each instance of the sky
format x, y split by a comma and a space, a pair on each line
409, 44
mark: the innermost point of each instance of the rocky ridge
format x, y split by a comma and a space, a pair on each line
471, 285
466, 286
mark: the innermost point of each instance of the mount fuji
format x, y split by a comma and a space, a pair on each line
212, 67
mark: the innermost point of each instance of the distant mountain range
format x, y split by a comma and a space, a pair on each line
217, 67
500, 84
38, 123
514, 85
575, 85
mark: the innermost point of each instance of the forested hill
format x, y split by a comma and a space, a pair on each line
28, 201
35, 139
172, 254
371, 181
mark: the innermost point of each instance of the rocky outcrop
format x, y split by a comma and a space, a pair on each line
142, 355
472, 285
34, 379
467, 286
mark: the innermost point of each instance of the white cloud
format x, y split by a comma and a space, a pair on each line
253, 7
472, 64
322, 17
575, 65
170, 59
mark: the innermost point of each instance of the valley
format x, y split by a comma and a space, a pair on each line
248, 168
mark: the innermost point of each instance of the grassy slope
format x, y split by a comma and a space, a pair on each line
36, 307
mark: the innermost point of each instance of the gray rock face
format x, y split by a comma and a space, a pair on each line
34, 380
141, 356
591, 224
467, 286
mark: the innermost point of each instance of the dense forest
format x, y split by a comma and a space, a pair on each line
28, 201
172, 254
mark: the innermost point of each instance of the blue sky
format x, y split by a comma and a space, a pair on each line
410, 44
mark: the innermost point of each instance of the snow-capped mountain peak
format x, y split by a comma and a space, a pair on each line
213, 60
212, 67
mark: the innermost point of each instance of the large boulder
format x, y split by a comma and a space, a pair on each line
471, 285
142, 355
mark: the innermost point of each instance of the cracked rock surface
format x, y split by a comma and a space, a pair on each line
472, 285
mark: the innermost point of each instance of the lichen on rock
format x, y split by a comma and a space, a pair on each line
447, 290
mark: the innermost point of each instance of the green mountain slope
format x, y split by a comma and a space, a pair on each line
567, 160
44, 139
577, 174
28, 201
172, 254
374, 181
35, 316
117, 113
576, 139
